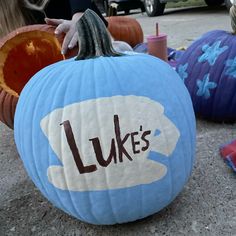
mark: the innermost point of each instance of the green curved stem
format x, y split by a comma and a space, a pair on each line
94, 39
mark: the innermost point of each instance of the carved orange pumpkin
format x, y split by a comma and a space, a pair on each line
24, 52
126, 29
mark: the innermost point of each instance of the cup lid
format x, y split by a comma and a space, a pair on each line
161, 36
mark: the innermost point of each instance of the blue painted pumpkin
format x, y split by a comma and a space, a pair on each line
109, 139
208, 69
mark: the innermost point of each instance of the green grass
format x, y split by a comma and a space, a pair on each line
186, 4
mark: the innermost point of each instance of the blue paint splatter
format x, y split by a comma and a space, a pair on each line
204, 87
211, 53
157, 132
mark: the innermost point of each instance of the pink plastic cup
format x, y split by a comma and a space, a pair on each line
157, 46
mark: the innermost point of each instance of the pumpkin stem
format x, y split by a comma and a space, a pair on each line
94, 39
232, 14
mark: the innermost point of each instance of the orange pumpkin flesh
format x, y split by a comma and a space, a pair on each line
23, 53
32, 53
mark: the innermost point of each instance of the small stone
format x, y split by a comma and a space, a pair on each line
194, 226
152, 229
13, 229
33, 229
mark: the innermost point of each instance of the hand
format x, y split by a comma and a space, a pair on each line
233, 2
67, 27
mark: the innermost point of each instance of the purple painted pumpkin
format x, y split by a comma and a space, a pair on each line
208, 69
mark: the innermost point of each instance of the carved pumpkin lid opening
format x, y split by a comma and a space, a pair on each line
24, 54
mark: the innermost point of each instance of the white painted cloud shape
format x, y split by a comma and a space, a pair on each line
127, 125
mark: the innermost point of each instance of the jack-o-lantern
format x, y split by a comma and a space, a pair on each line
106, 137
24, 52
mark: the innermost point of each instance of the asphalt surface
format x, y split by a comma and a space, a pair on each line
207, 204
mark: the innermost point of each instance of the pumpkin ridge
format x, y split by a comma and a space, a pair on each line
3, 95
7, 100
13, 107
